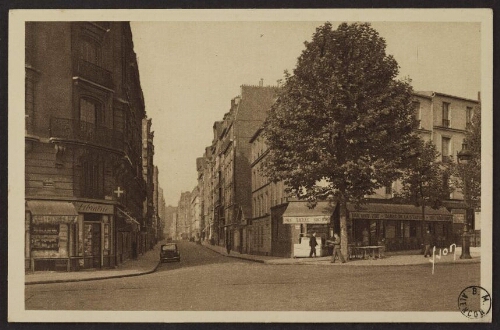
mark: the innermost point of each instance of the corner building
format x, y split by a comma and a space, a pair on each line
281, 226
84, 108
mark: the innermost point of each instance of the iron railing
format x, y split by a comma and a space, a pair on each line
94, 73
81, 131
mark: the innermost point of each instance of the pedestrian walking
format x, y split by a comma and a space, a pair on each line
228, 246
336, 249
313, 243
427, 243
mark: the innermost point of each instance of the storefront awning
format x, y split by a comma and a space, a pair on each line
53, 212
129, 221
299, 212
376, 211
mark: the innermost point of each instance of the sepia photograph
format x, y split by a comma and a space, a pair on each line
250, 165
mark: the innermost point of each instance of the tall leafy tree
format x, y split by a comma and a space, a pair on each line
341, 117
425, 180
467, 177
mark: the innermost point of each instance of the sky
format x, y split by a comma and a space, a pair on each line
190, 71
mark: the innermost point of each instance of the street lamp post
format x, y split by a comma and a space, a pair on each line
463, 157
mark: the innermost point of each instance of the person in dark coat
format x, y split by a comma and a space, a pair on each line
313, 243
228, 246
427, 243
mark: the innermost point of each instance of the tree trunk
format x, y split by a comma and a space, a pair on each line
343, 228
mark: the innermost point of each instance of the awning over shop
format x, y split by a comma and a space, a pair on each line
53, 212
127, 221
376, 211
299, 212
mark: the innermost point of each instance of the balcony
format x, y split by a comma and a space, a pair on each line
446, 123
79, 131
94, 73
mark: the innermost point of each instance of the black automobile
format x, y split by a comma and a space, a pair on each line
169, 252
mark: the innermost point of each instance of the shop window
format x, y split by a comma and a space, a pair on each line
413, 229
390, 229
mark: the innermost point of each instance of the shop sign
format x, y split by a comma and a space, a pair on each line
93, 208
317, 219
398, 216
54, 219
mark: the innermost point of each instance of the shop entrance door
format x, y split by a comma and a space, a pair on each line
92, 244
96, 245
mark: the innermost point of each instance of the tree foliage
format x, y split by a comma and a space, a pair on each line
467, 177
425, 180
342, 116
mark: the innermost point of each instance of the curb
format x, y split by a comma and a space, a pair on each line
94, 278
327, 263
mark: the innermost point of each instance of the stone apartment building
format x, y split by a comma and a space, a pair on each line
84, 185
279, 223
230, 162
184, 216
147, 173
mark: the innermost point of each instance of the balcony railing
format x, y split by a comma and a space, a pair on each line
94, 73
81, 131
446, 123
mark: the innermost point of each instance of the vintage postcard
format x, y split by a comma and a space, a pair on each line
250, 165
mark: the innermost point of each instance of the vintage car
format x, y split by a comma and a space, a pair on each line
169, 252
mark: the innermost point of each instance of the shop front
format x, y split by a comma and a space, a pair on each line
127, 236
95, 235
50, 237
396, 226
294, 224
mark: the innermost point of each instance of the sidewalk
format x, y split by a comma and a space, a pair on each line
149, 262
390, 260
144, 264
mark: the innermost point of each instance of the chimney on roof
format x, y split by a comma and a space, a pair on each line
261, 82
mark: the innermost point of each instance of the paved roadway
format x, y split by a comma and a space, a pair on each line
207, 281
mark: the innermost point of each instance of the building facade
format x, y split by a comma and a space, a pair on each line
84, 108
148, 175
184, 216
231, 151
279, 224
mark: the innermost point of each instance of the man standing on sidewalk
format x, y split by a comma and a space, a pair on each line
312, 244
427, 244
336, 249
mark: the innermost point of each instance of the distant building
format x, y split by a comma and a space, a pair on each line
84, 108
230, 160
184, 216
148, 176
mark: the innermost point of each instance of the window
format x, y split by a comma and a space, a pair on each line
469, 113
445, 149
90, 51
88, 111
446, 114
93, 178
388, 190
417, 113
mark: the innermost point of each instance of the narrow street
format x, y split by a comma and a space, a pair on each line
207, 281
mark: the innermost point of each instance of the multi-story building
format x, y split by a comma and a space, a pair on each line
147, 173
156, 219
162, 215
183, 225
231, 172
278, 224
195, 226
84, 108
